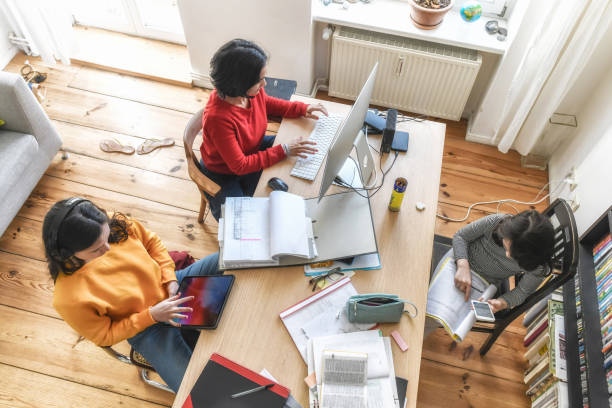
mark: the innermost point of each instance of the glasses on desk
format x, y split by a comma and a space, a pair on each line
332, 275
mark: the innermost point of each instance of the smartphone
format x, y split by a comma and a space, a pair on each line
483, 311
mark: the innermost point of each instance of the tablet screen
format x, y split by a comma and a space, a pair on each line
210, 294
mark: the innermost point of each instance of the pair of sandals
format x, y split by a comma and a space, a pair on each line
114, 146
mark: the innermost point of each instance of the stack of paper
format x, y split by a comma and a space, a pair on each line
322, 314
362, 263
381, 389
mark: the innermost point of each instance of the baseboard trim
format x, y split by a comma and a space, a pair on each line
472, 137
8, 56
475, 137
203, 81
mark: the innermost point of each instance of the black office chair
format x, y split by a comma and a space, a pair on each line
565, 263
139, 361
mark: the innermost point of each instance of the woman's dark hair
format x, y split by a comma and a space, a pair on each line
78, 230
236, 67
532, 236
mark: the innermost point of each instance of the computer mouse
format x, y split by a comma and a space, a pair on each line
277, 184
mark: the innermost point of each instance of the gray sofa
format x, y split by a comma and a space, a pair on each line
28, 142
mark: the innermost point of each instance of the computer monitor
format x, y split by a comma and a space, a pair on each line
348, 134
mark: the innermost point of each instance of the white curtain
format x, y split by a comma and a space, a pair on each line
45, 25
556, 54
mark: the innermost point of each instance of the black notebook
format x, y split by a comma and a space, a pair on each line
402, 385
222, 378
280, 88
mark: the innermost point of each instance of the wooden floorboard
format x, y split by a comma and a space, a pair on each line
85, 141
501, 362
178, 228
163, 61
179, 98
20, 388
40, 353
444, 386
49, 346
25, 284
122, 178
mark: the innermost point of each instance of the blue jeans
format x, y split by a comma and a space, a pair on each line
233, 185
163, 345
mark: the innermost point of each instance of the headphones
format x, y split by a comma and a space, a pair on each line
69, 205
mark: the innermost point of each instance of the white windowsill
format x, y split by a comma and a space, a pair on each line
393, 17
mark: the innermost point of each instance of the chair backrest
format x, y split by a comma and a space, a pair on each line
194, 126
564, 260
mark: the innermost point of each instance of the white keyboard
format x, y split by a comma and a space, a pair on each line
323, 133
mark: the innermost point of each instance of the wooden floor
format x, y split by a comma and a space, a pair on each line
42, 361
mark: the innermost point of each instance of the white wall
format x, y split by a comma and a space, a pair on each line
589, 147
282, 28
7, 50
587, 81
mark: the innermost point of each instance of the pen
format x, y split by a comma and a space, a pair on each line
476, 289
252, 390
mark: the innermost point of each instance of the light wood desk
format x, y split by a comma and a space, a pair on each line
251, 332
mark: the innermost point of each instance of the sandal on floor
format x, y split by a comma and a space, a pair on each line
151, 144
114, 146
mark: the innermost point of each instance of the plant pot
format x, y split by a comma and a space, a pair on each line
427, 18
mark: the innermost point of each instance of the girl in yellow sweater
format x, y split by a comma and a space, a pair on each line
114, 280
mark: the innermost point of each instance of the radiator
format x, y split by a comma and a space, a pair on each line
413, 75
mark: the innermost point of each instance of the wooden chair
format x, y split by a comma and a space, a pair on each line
139, 361
565, 263
204, 184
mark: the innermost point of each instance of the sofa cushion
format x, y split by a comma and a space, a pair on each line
17, 150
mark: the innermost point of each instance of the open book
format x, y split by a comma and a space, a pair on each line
446, 303
345, 379
258, 231
381, 388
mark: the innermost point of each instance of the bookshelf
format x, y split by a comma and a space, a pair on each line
585, 359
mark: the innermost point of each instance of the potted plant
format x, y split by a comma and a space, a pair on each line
428, 14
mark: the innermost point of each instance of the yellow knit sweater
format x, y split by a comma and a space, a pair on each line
107, 300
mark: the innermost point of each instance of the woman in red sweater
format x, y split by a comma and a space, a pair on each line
235, 149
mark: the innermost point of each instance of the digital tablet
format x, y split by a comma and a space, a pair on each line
210, 294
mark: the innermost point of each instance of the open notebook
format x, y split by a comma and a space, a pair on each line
258, 231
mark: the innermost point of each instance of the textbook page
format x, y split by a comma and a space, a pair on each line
313, 395
393, 395
369, 341
289, 232
382, 391
344, 380
321, 314
446, 303
246, 231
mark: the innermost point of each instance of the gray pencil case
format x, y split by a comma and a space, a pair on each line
377, 308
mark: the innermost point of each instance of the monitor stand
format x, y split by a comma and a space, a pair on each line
353, 175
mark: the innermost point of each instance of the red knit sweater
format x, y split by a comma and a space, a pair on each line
232, 134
